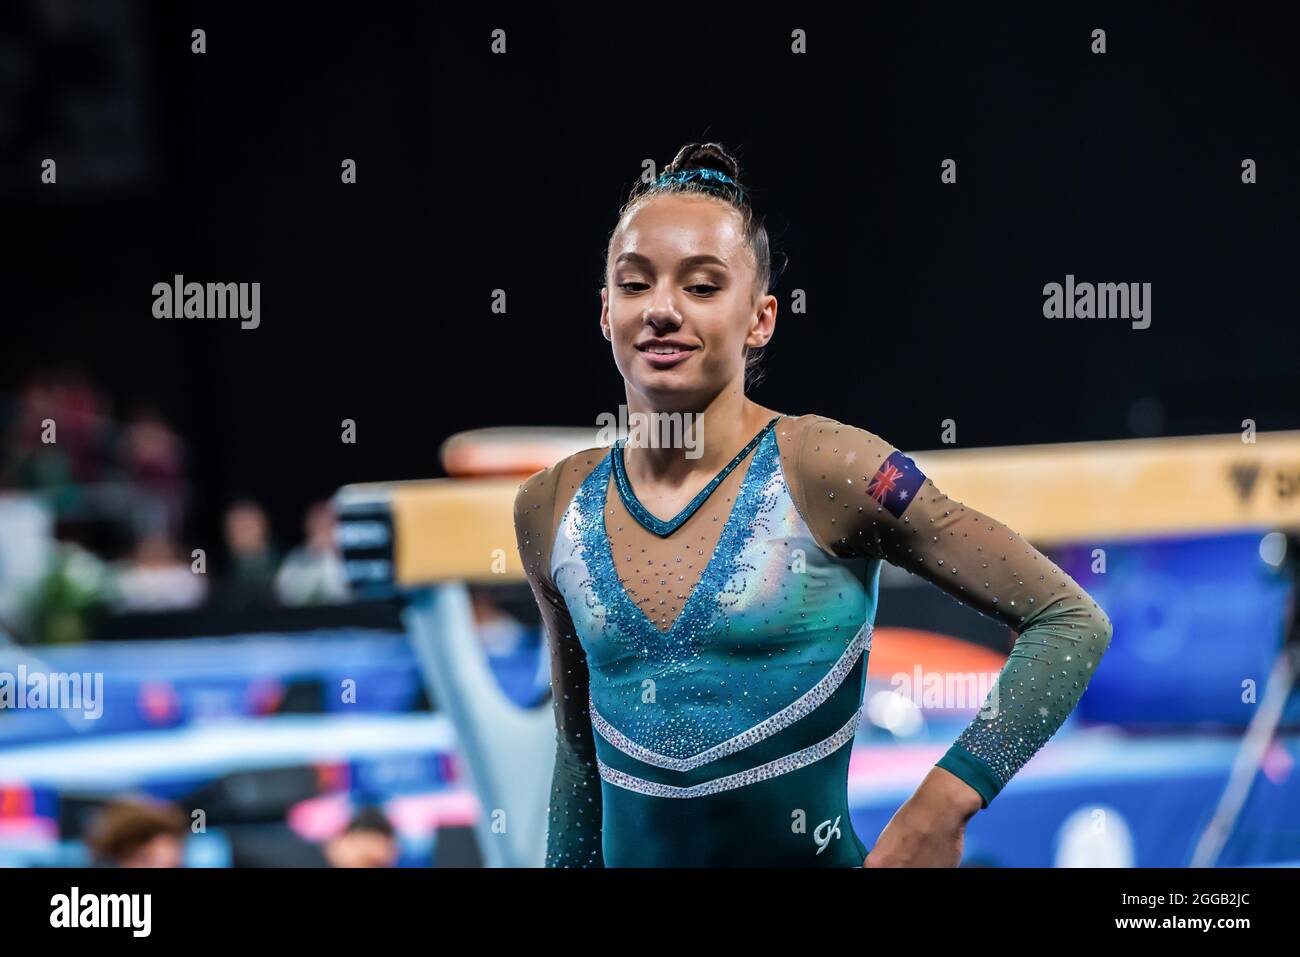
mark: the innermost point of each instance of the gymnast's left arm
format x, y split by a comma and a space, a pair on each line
889, 509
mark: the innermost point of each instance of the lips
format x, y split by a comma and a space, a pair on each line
665, 353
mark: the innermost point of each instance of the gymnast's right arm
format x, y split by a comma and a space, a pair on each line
573, 826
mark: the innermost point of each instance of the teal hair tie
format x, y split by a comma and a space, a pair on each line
709, 179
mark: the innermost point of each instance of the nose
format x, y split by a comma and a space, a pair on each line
662, 323
661, 315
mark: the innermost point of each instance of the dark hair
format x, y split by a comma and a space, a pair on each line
125, 825
713, 156
371, 818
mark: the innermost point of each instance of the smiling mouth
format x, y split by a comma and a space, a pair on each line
664, 348
665, 355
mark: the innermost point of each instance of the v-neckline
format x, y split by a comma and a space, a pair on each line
607, 544
665, 527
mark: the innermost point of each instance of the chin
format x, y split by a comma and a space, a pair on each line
670, 394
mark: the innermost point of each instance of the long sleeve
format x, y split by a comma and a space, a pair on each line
865, 498
573, 835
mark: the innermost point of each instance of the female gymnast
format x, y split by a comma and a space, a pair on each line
708, 667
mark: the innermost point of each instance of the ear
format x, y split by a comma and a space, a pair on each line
604, 313
763, 325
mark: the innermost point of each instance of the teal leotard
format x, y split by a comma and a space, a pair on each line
708, 672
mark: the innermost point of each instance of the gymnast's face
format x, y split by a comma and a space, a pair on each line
680, 304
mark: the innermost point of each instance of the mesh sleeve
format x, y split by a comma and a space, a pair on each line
866, 498
573, 833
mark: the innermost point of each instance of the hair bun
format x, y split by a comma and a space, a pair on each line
704, 156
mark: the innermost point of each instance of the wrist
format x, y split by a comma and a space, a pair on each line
948, 797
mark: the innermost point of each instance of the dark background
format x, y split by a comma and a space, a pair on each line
478, 172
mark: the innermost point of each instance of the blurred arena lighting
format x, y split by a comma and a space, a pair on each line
1272, 548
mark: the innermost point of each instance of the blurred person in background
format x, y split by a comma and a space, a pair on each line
313, 574
60, 440
250, 572
369, 840
152, 458
136, 832
156, 578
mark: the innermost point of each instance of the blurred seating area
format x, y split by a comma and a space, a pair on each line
276, 740
236, 705
95, 523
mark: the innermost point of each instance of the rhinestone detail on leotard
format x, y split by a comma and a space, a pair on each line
805, 704
704, 608
764, 772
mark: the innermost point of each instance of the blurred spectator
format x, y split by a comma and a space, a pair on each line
313, 572
153, 459
368, 841
104, 484
250, 573
138, 833
156, 578
60, 440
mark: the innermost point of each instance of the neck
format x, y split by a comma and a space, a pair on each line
717, 431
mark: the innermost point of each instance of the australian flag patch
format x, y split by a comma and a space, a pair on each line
895, 483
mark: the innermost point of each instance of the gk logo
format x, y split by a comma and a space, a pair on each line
831, 829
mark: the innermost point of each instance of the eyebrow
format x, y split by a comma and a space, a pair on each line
701, 259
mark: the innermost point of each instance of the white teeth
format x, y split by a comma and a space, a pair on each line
663, 350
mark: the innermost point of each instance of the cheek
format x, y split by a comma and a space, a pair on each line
726, 340
621, 338
622, 323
